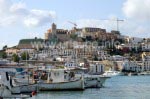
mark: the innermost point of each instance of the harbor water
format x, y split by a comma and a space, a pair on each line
119, 87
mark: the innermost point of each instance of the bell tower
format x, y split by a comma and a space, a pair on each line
54, 27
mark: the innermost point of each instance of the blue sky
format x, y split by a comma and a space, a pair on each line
29, 18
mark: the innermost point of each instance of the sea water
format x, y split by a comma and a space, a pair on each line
119, 87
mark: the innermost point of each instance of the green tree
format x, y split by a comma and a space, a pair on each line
4, 55
5, 47
25, 56
89, 38
74, 36
15, 58
95, 58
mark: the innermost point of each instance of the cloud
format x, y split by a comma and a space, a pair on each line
38, 17
19, 9
4, 7
18, 13
136, 22
137, 10
138, 16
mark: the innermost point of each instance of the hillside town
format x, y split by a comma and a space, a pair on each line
76, 59
89, 47
74, 49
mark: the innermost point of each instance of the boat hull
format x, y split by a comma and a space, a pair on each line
71, 85
7, 93
24, 88
4, 91
95, 82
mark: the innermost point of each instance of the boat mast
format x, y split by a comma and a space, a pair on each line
28, 65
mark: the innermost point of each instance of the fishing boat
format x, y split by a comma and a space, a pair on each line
60, 79
29, 88
91, 80
48, 79
23, 85
5, 92
15, 87
6, 89
94, 81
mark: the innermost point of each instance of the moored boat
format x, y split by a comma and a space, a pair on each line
6, 89
5, 92
94, 81
58, 79
48, 79
16, 88
70, 85
111, 73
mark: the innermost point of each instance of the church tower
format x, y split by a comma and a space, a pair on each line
54, 28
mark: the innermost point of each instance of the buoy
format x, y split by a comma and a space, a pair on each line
33, 93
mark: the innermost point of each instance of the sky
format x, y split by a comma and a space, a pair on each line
21, 19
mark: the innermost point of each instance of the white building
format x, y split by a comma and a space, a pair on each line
117, 58
136, 66
146, 63
133, 39
71, 65
103, 55
4, 61
146, 47
130, 46
96, 68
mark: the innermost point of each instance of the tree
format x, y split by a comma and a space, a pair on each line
95, 58
74, 36
4, 55
139, 49
25, 56
15, 58
5, 47
100, 43
83, 39
133, 50
89, 38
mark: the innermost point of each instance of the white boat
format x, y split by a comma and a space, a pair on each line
111, 73
22, 81
6, 89
50, 79
70, 85
129, 74
58, 79
16, 88
23, 85
144, 73
91, 80
94, 81
5, 92
24, 88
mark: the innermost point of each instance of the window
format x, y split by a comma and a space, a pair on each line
96, 68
